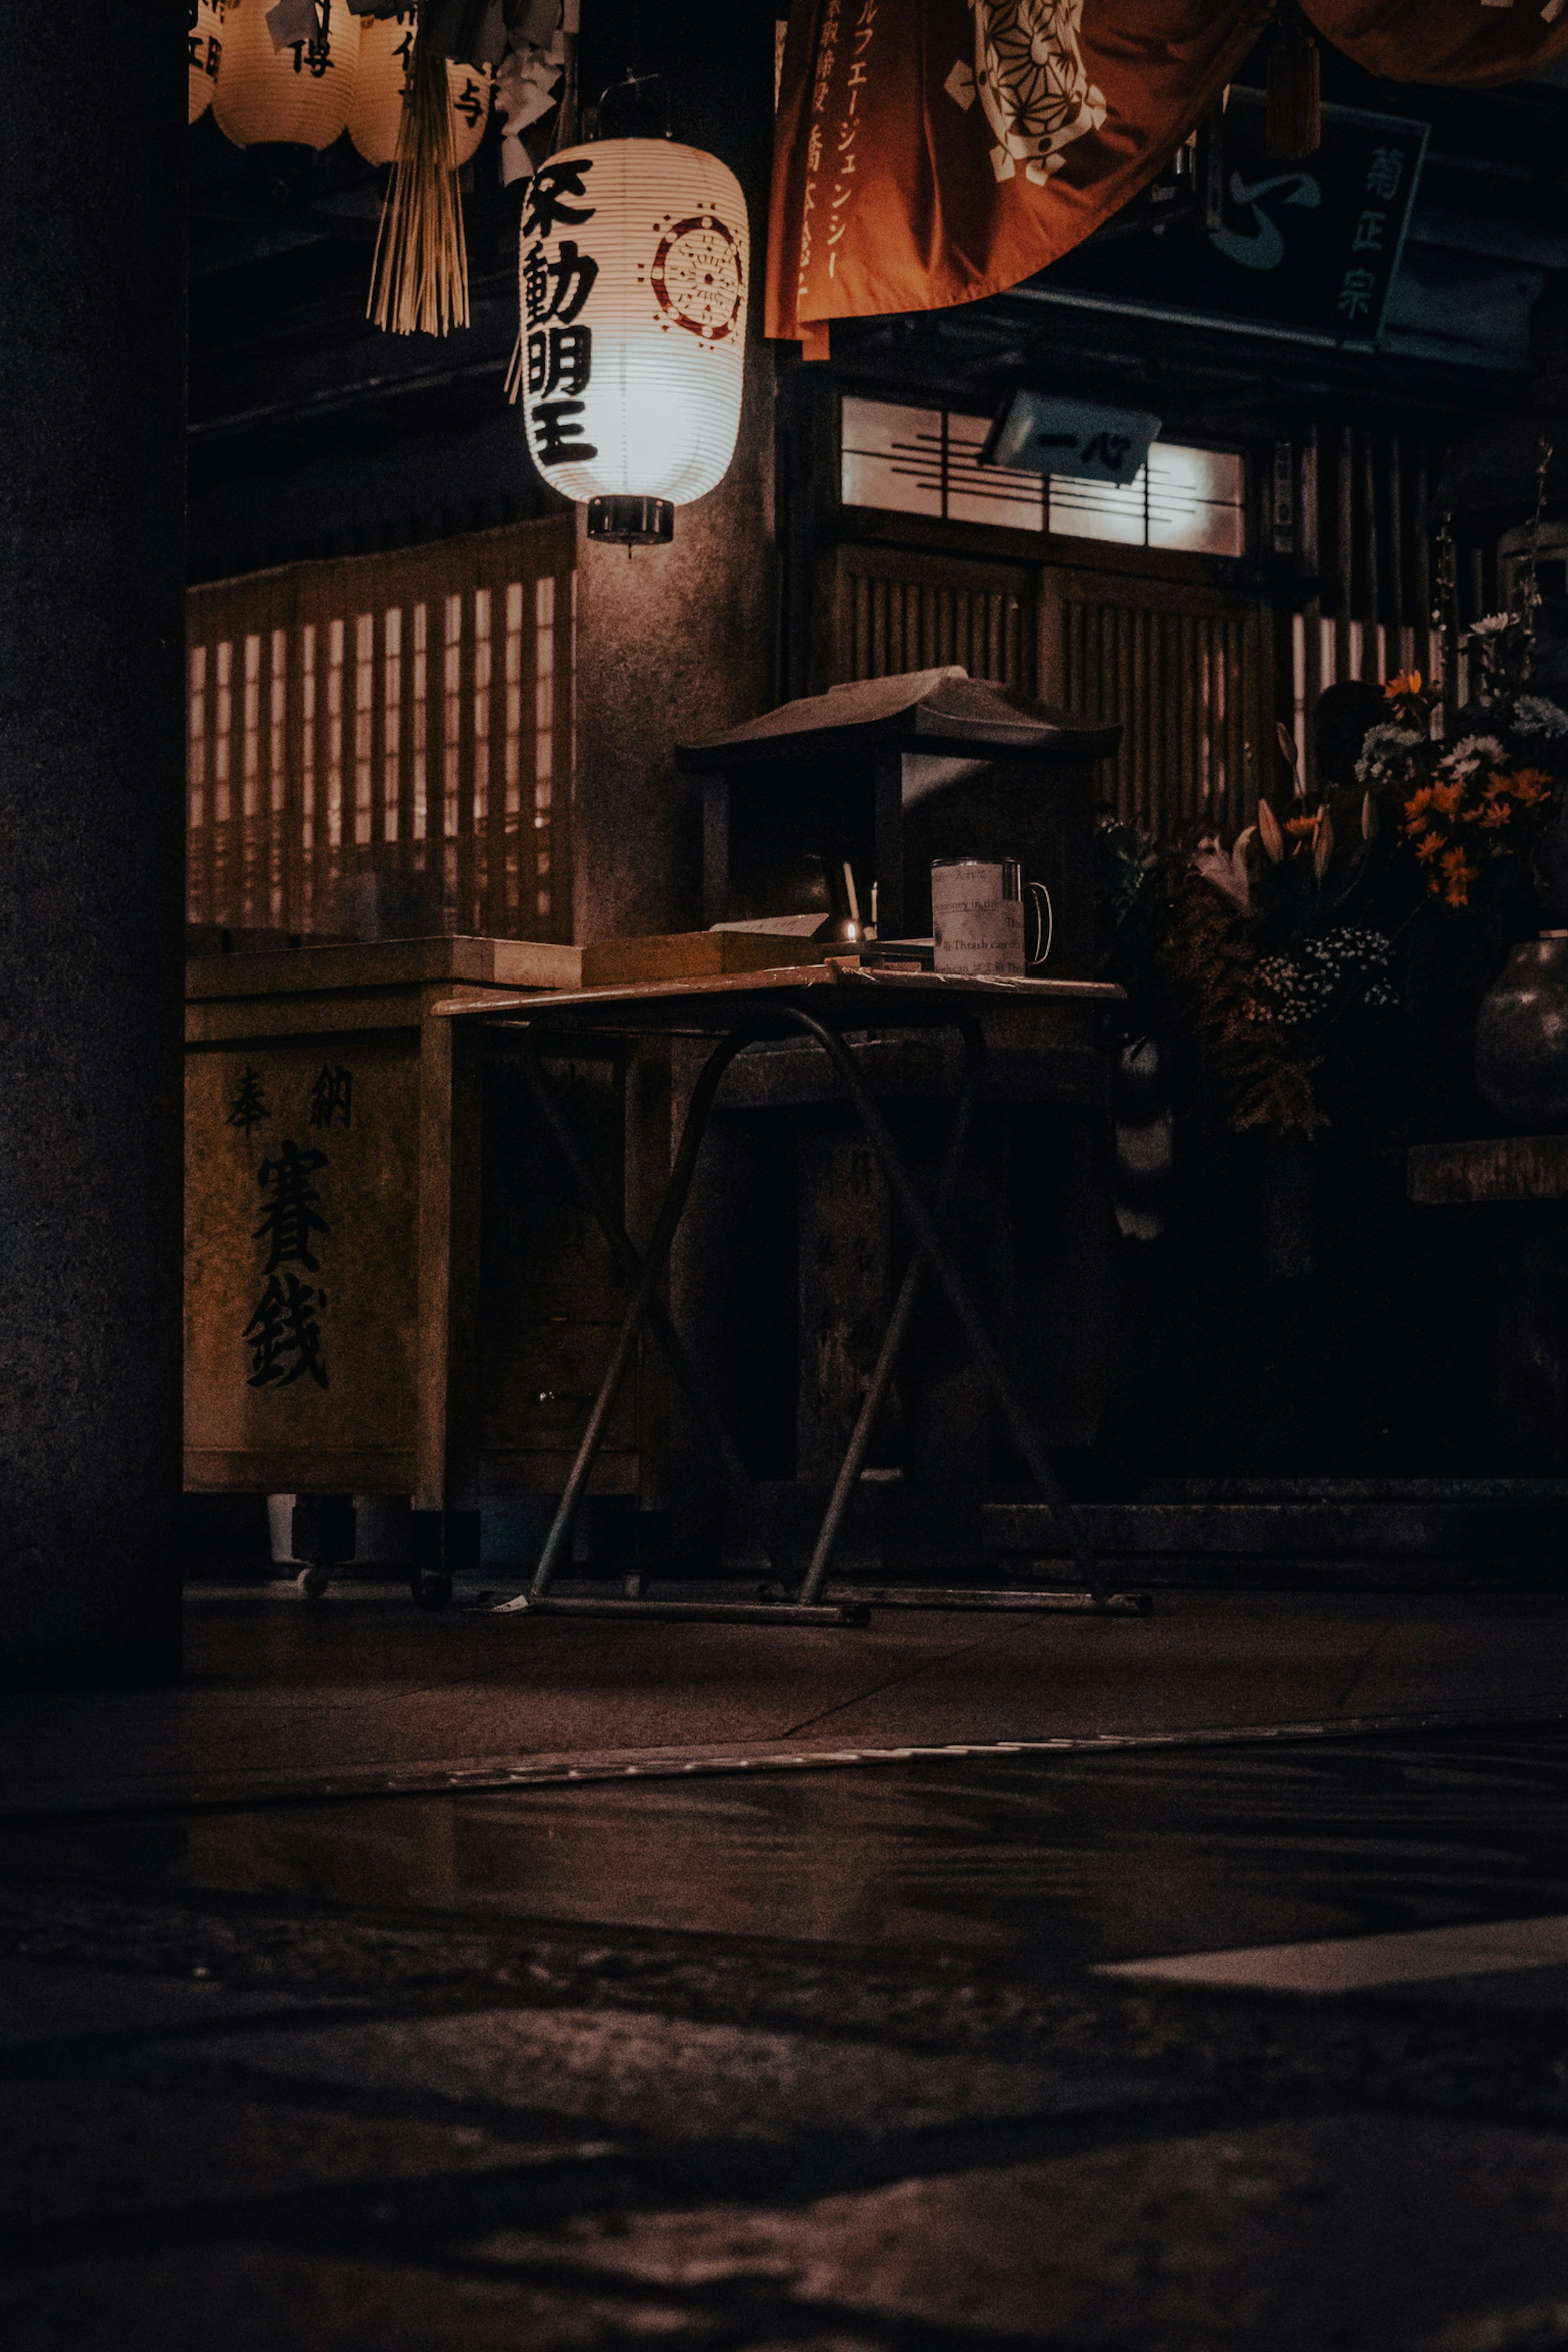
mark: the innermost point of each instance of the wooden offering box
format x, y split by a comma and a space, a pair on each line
391, 1285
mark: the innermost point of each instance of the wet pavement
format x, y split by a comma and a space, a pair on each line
1178, 2046
363, 1692
1072, 1859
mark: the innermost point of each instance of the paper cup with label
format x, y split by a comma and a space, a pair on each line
977, 917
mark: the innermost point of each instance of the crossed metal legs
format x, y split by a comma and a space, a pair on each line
645, 1306
931, 1249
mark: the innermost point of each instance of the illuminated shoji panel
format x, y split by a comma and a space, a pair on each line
410, 711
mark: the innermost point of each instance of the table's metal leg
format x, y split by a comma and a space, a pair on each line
677, 1354
644, 1305
897, 1328
932, 1248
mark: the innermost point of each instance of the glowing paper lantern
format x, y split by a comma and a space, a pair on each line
634, 269
381, 83
299, 95
206, 48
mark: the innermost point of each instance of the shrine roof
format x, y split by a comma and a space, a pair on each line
942, 711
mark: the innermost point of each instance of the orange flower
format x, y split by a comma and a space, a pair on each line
1529, 786
1426, 850
1408, 682
1458, 876
1494, 812
1446, 798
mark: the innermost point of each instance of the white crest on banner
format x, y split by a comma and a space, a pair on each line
1030, 78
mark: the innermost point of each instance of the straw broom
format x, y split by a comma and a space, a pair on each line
419, 281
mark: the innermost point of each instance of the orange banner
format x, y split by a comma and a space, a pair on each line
1477, 42
931, 151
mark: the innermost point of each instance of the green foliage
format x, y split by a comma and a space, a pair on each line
1258, 1075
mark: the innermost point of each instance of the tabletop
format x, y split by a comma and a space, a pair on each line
838, 990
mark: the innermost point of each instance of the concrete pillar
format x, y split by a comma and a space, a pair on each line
92, 393
678, 642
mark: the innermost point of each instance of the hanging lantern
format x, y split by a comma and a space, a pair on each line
206, 48
381, 84
633, 268
299, 95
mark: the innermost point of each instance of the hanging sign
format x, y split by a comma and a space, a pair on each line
1311, 247
1038, 433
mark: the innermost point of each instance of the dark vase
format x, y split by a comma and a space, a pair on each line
1522, 1033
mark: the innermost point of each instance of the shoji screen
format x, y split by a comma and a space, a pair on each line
411, 710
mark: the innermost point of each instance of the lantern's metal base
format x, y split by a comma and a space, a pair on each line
632, 522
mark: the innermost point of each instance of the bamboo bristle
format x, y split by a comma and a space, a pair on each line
419, 281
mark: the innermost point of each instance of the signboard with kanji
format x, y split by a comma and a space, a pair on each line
393, 1282
302, 1270
1037, 433
1308, 248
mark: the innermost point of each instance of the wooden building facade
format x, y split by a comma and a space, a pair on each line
1315, 563
399, 693
413, 712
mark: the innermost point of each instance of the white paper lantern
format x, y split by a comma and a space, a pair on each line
299, 95
205, 50
634, 277
380, 77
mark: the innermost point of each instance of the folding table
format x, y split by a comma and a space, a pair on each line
825, 1004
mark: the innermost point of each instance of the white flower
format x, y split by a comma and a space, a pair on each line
1468, 754
1493, 626
1534, 715
1226, 869
1381, 751
1303, 986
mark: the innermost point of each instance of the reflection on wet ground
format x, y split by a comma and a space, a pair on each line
1072, 1859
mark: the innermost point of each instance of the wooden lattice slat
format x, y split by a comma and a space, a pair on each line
409, 712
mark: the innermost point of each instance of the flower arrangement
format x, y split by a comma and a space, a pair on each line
1258, 952
1245, 952
1272, 955
1461, 806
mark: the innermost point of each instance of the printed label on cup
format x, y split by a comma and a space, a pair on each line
978, 916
